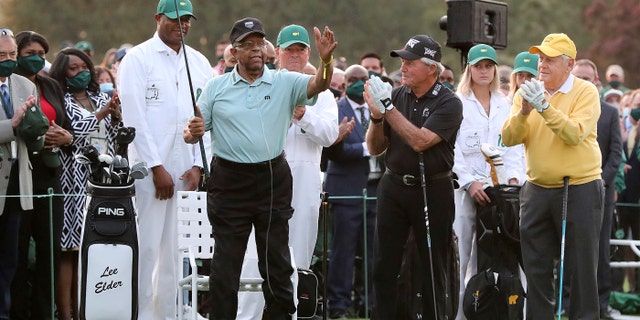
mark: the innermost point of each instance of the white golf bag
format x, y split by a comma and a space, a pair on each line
108, 264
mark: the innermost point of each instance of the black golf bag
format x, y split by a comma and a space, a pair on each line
495, 292
413, 282
108, 279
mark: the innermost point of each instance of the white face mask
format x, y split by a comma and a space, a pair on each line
625, 112
106, 87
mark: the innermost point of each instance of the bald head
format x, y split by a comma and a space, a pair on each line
229, 59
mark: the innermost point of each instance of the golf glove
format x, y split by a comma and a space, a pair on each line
533, 92
381, 93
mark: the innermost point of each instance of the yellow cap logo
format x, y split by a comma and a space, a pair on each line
526, 60
295, 34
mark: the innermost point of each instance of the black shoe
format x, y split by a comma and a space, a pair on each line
609, 313
337, 315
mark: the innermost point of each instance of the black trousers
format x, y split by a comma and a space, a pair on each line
31, 287
241, 196
400, 208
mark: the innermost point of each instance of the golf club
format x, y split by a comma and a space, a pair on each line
205, 167
423, 182
565, 196
124, 137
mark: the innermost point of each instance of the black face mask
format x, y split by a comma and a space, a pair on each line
336, 93
228, 69
270, 65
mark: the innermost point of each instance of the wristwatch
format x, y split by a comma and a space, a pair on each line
375, 120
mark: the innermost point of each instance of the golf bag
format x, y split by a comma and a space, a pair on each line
307, 294
495, 292
413, 284
108, 280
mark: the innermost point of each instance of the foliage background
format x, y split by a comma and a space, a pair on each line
603, 30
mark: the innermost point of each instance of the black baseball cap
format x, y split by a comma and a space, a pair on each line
244, 27
419, 46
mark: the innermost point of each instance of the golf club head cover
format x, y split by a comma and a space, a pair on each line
494, 158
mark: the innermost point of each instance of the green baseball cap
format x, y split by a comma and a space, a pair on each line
292, 34
32, 128
481, 52
527, 62
168, 8
84, 46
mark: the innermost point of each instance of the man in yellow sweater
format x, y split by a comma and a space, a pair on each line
555, 117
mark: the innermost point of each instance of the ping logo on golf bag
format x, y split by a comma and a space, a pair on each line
110, 210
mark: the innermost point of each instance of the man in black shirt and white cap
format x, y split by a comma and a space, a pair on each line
416, 124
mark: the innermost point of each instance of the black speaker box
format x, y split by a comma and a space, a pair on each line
473, 22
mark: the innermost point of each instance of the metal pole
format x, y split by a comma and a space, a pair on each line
365, 255
325, 225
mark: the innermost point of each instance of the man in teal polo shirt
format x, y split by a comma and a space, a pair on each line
248, 111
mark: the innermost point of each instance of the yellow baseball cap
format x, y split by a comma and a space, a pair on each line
556, 44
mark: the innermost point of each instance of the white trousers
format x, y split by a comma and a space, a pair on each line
158, 265
464, 227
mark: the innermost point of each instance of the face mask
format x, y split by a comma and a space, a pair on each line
228, 69
371, 73
336, 93
356, 90
80, 81
635, 114
448, 85
30, 65
625, 112
7, 67
270, 65
106, 87
615, 84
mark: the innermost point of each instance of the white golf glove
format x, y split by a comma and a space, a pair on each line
381, 93
533, 92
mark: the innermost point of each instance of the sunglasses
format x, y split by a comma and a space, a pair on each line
6, 32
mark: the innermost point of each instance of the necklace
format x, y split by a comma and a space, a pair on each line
91, 108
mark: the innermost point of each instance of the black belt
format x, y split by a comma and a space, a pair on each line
411, 180
247, 166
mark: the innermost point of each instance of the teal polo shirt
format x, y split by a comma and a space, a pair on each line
249, 121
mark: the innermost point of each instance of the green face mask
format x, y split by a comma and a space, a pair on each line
356, 90
30, 65
7, 67
635, 114
270, 65
615, 84
448, 85
80, 81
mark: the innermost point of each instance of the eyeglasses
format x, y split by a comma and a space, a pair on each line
247, 45
6, 32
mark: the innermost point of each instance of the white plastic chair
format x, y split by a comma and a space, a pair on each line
195, 242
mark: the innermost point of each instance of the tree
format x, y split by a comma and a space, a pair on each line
614, 26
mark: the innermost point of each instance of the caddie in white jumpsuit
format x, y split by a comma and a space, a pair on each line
156, 101
479, 126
